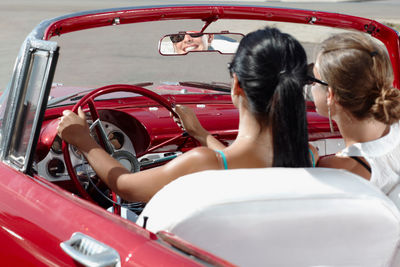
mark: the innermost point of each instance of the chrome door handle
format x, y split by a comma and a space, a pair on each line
90, 252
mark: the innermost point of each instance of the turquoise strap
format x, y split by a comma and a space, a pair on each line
312, 158
223, 158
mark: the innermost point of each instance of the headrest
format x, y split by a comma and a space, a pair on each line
280, 216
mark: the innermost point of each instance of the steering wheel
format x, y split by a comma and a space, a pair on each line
102, 136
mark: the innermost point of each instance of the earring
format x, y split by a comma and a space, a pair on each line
330, 119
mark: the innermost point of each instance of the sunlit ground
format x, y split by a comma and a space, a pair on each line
393, 25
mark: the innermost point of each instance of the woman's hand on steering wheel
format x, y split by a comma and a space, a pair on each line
189, 122
73, 128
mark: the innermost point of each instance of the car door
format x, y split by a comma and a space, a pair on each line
40, 223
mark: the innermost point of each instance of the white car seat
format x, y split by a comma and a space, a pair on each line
394, 195
280, 217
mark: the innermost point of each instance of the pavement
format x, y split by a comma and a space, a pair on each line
311, 1
319, 1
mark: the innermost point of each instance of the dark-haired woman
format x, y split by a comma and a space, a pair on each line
269, 71
359, 96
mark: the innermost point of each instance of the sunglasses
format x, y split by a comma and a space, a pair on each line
176, 38
311, 78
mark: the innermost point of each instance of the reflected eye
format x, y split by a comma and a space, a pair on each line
176, 38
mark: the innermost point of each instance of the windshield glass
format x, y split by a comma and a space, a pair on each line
129, 54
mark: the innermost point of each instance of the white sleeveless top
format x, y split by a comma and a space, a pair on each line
383, 155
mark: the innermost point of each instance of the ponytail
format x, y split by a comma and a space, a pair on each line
289, 124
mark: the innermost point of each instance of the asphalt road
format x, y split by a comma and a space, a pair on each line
18, 17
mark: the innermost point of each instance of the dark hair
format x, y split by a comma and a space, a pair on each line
360, 74
271, 67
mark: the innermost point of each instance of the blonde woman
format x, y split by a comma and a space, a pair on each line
357, 93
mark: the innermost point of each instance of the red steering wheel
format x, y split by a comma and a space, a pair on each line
103, 140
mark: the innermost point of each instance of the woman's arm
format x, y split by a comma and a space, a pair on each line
190, 123
140, 186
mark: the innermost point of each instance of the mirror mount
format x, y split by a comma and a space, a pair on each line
208, 21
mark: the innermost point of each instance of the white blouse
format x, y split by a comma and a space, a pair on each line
383, 155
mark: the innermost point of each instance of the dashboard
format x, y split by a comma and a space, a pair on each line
52, 167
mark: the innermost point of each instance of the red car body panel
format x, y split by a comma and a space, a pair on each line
30, 237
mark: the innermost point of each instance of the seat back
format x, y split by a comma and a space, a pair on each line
280, 217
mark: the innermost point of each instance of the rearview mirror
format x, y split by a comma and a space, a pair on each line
183, 43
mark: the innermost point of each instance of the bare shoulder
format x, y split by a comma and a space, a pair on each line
197, 159
333, 161
346, 163
205, 156
202, 151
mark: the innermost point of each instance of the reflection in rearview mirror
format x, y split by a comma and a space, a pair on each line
187, 42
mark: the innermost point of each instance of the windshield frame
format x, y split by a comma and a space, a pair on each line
26, 102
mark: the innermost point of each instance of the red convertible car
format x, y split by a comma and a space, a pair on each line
124, 68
